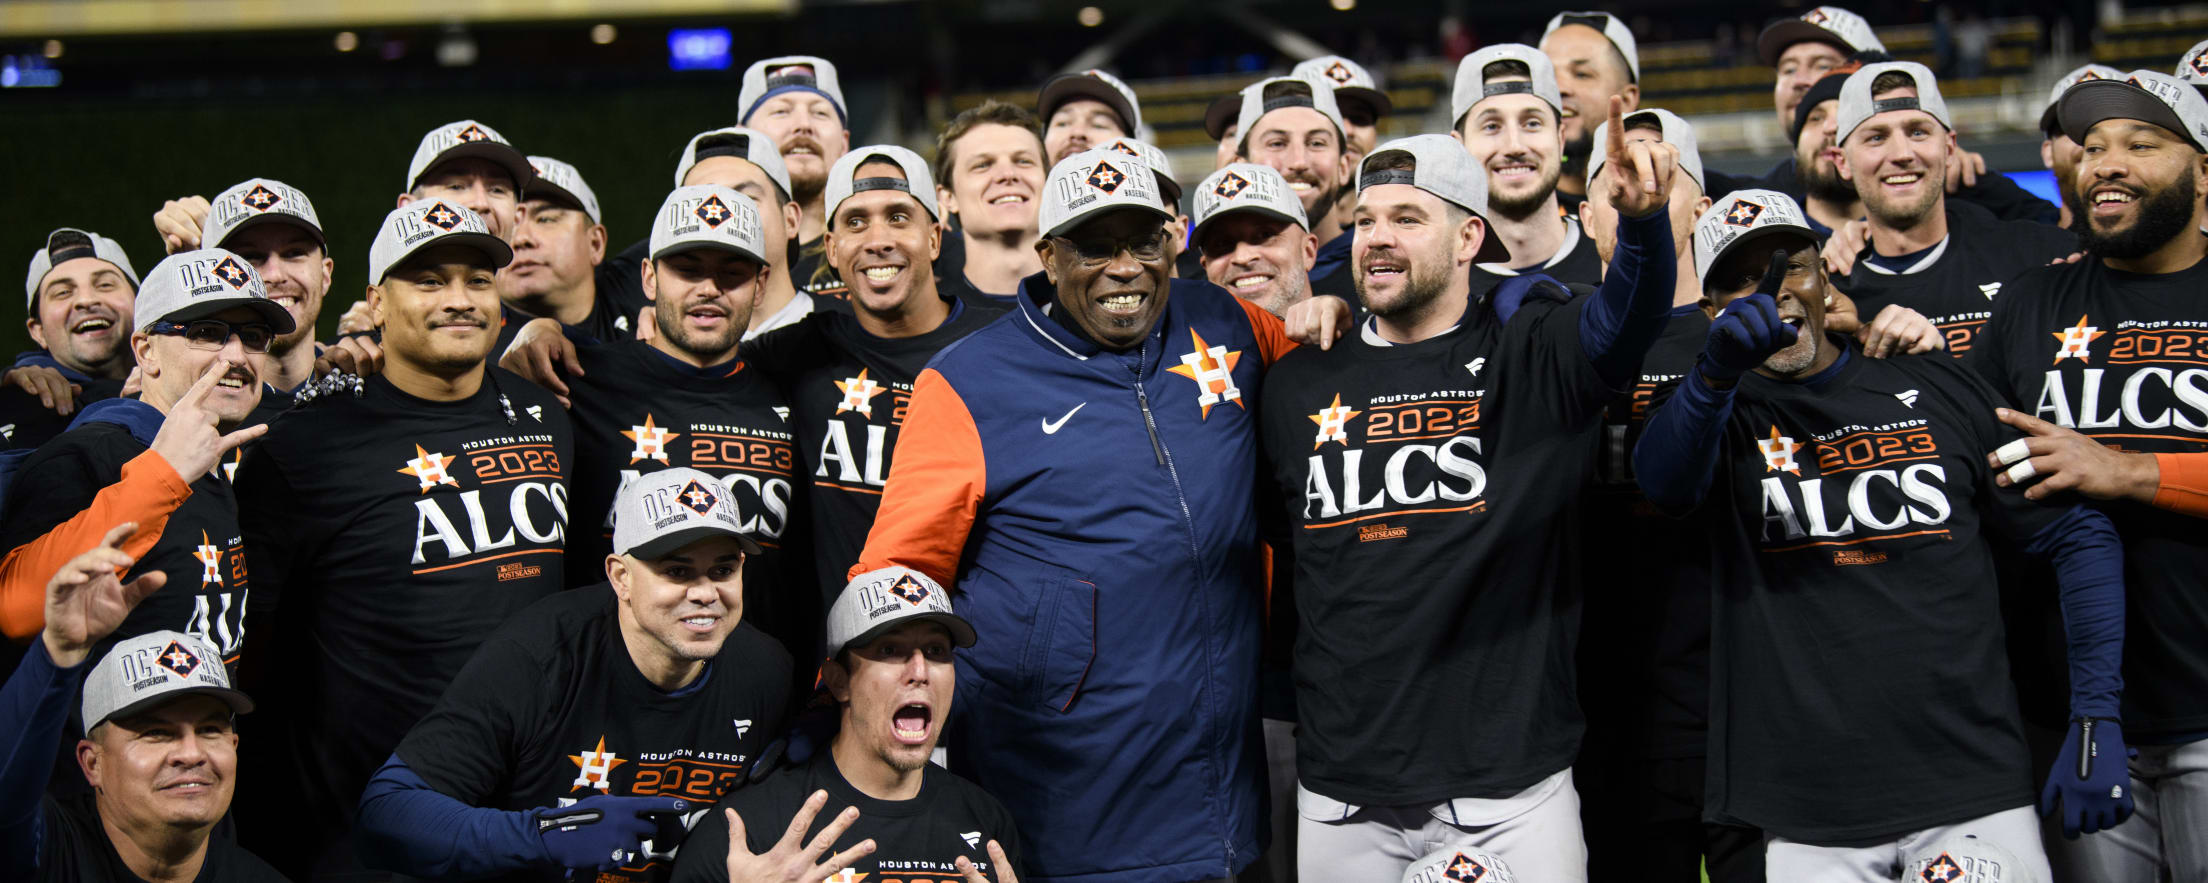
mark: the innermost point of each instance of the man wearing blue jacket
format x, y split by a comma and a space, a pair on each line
1083, 471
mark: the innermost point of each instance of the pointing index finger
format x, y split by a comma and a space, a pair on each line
206, 382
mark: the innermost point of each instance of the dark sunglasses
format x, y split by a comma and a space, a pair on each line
212, 334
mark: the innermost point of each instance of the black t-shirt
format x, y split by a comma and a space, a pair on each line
915, 841
1957, 287
807, 271
76, 850
1341, 283
1578, 265
399, 533
202, 549
25, 422
955, 285
1859, 684
2123, 358
1434, 490
606, 323
848, 391
552, 709
1644, 653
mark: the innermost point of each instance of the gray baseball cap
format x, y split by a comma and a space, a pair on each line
2144, 95
1352, 83
467, 138
1610, 26
774, 76
708, 216
1440, 166
253, 203
1093, 84
843, 180
749, 145
153, 669
196, 284
68, 244
562, 182
879, 600
1857, 106
1246, 187
1832, 25
1675, 131
1097, 180
424, 223
661, 512
1458, 865
1744, 216
1968, 857
2193, 66
1160, 165
1268, 95
1473, 86
2048, 125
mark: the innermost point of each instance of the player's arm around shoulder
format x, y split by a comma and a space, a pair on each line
937, 477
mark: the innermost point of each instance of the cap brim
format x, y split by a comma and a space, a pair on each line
962, 632
1221, 114
1064, 89
1170, 189
278, 317
1080, 218
1492, 249
1788, 32
1375, 99
1196, 235
272, 218
542, 189
504, 155
2048, 124
239, 703
663, 546
492, 247
1758, 235
680, 246
2090, 102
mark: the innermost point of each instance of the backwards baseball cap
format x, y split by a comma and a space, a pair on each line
1352, 84
749, 145
843, 180
2143, 95
1097, 180
1474, 86
1093, 84
1857, 106
1969, 857
1246, 187
661, 512
196, 284
1221, 114
708, 216
256, 202
1440, 166
462, 139
1744, 216
1268, 95
1160, 165
1675, 132
1831, 25
425, 223
879, 600
1827, 88
561, 182
153, 669
1452, 864
789, 73
68, 244
1610, 27
2048, 125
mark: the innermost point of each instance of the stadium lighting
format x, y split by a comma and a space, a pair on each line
603, 34
53, 49
346, 41
1090, 16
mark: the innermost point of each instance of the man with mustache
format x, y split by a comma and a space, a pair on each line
1851, 513
78, 295
1506, 110
1595, 57
989, 162
1082, 110
1294, 126
797, 102
2099, 361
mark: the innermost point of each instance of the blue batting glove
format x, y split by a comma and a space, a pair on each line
1749, 330
603, 832
2091, 778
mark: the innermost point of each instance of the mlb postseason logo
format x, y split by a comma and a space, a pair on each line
410, 228
207, 276
663, 509
737, 222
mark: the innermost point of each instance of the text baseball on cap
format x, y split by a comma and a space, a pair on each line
1160, 164
1742, 217
1097, 180
255, 202
1245, 187
152, 669
68, 244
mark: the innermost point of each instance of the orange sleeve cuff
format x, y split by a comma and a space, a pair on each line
936, 480
2184, 485
148, 493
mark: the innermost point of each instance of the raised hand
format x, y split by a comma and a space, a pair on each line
1749, 330
788, 861
179, 221
54, 391
188, 438
996, 860
602, 832
1641, 173
2062, 459
87, 599
542, 353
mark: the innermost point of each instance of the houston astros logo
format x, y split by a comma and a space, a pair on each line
1126, 148
597, 767
1212, 367
177, 660
2095, 75
445, 218
1816, 16
1463, 868
1106, 178
695, 496
651, 441
1743, 213
1339, 73
472, 133
232, 272
858, 394
210, 561
1941, 870
712, 211
260, 199
1231, 185
429, 468
1333, 421
909, 589
1778, 453
2077, 342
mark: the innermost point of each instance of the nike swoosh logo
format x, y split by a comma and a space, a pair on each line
1050, 427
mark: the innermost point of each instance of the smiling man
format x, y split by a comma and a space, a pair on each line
78, 296
1295, 127
1086, 469
1596, 57
559, 242
274, 227
797, 102
989, 169
1507, 109
653, 682
1250, 228
1080, 111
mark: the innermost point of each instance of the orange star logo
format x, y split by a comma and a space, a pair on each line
1333, 421
597, 767
2076, 341
858, 394
651, 441
210, 561
1778, 453
429, 468
1212, 367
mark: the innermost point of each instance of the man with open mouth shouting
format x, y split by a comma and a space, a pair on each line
79, 295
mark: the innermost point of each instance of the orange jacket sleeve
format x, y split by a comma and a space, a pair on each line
1272, 336
2184, 483
936, 479
148, 493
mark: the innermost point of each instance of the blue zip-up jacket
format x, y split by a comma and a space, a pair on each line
1096, 511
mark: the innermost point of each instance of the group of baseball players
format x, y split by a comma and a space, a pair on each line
1522, 502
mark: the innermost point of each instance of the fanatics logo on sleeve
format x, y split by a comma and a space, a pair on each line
1333, 421
1778, 453
429, 468
1212, 367
858, 394
651, 441
178, 661
1106, 178
1744, 213
597, 767
210, 561
2077, 342
442, 216
260, 198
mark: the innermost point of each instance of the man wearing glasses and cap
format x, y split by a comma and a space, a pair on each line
589, 731
161, 754
78, 296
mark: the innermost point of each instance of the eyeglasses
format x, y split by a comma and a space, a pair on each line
213, 334
1098, 252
